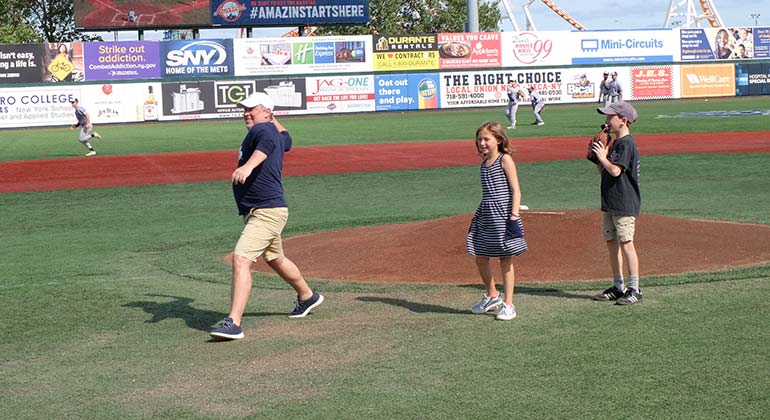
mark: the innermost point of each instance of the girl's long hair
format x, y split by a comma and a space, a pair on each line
503, 144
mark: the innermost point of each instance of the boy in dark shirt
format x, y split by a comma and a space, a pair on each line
621, 201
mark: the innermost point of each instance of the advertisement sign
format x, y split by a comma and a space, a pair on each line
473, 89
469, 50
22, 63
707, 80
288, 94
579, 85
402, 92
616, 47
752, 79
405, 52
340, 94
761, 42
302, 55
288, 12
122, 60
717, 44
37, 106
64, 62
653, 82
141, 14
535, 49
119, 103
204, 99
197, 58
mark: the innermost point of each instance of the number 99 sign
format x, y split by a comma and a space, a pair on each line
528, 48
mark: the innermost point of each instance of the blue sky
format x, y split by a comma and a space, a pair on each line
645, 14
611, 14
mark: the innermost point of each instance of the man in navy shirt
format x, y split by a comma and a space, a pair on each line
258, 192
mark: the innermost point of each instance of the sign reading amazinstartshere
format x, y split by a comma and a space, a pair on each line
288, 12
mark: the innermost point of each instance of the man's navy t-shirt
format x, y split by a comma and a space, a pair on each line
263, 188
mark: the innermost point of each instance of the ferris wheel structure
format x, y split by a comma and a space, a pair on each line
680, 13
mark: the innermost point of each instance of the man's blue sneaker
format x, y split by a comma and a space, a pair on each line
227, 330
303, 307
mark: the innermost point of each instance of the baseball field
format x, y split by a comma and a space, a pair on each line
114, 268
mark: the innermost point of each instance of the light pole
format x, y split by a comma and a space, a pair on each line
755, 16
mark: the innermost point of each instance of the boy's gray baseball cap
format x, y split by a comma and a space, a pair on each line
624, 109
257, 98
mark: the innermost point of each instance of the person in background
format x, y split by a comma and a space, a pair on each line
604, 89
538, 103
86, 132
515, 95
616, 89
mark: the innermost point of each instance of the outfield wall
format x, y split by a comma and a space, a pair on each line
134, 81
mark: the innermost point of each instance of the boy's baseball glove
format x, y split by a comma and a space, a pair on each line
604, 137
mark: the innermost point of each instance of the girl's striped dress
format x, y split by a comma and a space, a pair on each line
486, 235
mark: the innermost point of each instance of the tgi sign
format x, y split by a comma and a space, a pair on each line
197, 58
228, 94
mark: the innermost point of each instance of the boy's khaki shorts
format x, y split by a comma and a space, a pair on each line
261, 237
617, 227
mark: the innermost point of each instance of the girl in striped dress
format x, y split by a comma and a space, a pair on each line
496, 230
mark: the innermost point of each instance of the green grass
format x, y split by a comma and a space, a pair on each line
564, 120
106, 297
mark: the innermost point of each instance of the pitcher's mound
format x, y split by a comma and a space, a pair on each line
562, 246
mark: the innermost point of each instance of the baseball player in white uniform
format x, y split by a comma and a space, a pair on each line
604, 90
538, 103
616, 90
86, 132
515, 95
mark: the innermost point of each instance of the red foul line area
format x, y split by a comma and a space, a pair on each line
170, 168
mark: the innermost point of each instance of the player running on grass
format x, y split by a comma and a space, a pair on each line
86, 133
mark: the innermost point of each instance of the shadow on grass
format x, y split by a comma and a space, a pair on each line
181, 308
416, 307
536, 291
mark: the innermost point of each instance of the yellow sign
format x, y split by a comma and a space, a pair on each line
406, 60
60, 67
707, 80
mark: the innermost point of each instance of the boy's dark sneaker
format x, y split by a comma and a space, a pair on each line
303, 307
227, 330
630, 297
613, 293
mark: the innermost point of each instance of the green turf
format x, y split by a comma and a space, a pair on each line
106, 297
561, 120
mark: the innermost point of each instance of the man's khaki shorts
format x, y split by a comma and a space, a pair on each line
261, 237
617, 227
